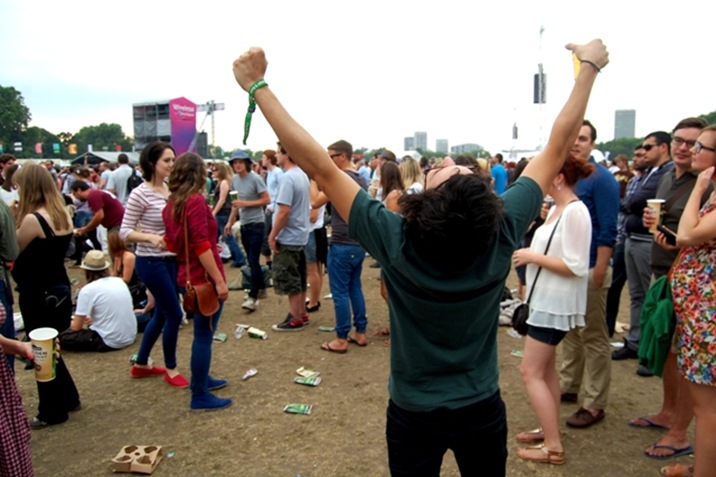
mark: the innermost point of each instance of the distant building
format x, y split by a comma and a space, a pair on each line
409, 143
624, 123
465, 148
441, 145
421, 140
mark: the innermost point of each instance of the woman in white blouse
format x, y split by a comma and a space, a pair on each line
155, 265
557, 305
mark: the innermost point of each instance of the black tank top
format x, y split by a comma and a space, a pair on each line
226, 209
42, 264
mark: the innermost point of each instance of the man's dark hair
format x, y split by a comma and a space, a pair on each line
593, 130
79, 185
467, 161
283, 151
123, 159
4, 158
661, 137
342, 146
498, 156
92, 275
452, 225
387, 155
698, 123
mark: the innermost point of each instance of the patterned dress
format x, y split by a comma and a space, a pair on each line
694, 293
14, 427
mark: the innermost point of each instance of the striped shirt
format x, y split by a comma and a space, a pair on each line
143, 213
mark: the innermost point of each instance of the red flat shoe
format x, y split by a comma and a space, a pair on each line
137, 372
177, 381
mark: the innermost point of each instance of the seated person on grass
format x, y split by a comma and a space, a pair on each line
104, 304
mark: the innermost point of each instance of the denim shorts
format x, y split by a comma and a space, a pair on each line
548, 336
289, 270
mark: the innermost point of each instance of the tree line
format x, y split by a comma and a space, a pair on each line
36, 142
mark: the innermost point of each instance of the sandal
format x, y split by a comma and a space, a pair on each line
544, 456
677, 470
384, 331
531, 437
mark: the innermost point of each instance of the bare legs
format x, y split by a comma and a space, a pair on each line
676, 411
703, 398
315, 279
539, 374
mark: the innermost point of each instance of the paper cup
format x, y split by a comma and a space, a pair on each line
44, 349
655, 205
233, 195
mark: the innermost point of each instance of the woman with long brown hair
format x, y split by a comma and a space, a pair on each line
188, 215
392, 184
44, 232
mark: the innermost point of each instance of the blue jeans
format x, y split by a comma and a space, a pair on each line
477, 435
201, 351
345, 264
252, 236
160, 277
8, 328
236, 254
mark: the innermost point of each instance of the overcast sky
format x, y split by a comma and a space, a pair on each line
370, 72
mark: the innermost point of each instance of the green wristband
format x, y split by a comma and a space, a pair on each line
257, 86
252, 106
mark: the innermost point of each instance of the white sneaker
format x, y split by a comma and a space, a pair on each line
250, 304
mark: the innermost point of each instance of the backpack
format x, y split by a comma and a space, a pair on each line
133, 181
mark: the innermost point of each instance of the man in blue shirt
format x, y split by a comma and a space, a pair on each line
499, 174
587, 350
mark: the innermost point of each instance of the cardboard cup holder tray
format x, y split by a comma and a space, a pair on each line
139, 459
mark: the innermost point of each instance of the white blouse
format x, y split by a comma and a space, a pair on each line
560, 302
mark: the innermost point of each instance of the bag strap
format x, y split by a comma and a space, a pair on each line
186, 248
549, 242
677, 195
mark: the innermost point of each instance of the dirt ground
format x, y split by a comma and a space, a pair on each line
343, 436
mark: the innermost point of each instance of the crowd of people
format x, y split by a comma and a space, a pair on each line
577, 230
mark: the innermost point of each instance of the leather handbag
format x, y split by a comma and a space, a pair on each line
201, 298
522, 312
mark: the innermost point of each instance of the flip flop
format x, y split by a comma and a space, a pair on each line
649, 423
327, 347
676, 451
352, 340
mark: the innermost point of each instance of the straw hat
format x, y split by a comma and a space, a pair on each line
95, 261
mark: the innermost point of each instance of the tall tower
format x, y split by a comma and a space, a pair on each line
624, 123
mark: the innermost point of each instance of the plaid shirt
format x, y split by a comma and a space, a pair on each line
15, 458
630, 188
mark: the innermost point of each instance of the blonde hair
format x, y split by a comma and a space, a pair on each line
410, 171
483, 164
37, 189
223, 170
